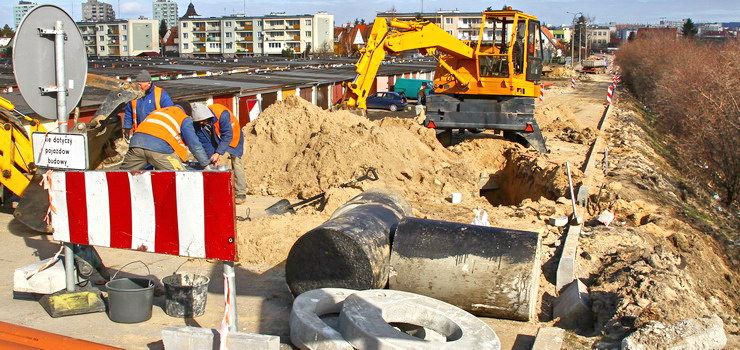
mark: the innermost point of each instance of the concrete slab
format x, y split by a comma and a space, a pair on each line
572, 307
549, 338
196, 338
48, 281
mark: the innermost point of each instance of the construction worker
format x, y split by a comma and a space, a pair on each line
163, 140
219, 132
154, 98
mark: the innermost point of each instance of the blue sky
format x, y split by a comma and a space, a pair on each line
549, 11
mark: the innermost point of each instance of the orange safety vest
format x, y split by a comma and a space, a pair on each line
164, 123
157, 104
218, 109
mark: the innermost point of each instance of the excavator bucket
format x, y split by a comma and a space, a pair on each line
33, 206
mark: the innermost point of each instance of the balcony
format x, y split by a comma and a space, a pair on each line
199, 29
214, 29
202, 38
113, 42
112, 31
247, 27
296, 37
201, 49
296, 26
213, 38
276, 27
297, 49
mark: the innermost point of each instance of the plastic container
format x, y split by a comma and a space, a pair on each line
185, 294
130, 300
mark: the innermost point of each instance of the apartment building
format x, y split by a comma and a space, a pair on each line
96, 11
598, 36
462, 25
256, 35
165, 10
120, 38
20, 9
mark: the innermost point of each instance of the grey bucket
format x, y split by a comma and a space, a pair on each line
130, 300
185, 294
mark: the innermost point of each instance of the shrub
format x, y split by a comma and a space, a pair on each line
690, 86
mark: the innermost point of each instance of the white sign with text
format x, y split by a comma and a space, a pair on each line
60, 151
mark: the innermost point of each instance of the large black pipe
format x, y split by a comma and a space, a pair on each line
487, 271
350, 250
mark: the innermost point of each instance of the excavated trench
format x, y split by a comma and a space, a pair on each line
521, 177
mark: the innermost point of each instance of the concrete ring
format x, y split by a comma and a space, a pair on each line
367, 319
307, 329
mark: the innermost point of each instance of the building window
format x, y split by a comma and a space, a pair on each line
227, 23
259, 45
125, 37
184, 24
448, 32
308, 22
185, 46
184, 35
274, 45
100, 28
259, 23
308, 34
228, 34
229, 45
102, 48
102, 38
214, 45
125, 48
123, 27
448, 20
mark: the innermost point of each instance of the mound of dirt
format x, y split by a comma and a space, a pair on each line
296, 148
561, 72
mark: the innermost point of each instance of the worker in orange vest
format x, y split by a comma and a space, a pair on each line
219, 132
154, 98
163, 140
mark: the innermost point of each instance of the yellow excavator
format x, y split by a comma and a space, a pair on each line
489, 84
19, 172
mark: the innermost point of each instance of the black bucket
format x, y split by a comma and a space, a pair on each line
185, 294
130, 300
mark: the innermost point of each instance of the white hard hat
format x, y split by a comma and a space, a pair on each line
201, 112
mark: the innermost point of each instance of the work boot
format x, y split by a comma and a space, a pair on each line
240, 199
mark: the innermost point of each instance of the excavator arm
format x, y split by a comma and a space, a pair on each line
393, 37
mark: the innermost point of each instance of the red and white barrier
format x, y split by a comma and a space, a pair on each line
609, 94
573, 83
186, 213
542, 92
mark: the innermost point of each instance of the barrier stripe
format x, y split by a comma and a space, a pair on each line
59, 215
166, 238
77, 204
192, 227
97, 209
142, 209
220, 190
119, 199
178, 213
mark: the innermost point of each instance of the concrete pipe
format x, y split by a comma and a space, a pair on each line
372, 319
350, 250
377, 196
311, 323
487, 271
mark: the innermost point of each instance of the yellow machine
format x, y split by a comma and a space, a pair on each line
18, 170
488, 84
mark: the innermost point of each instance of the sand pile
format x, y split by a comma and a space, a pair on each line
298, 149
561, 72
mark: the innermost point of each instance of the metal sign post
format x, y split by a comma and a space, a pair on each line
62, 119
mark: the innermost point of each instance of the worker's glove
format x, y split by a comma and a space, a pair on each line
127, 134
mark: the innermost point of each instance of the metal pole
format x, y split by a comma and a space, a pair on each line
572, 195
62, 122
229, 271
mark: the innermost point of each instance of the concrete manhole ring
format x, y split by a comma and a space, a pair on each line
367, 320
307, 329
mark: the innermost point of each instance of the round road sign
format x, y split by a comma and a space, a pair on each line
34, 63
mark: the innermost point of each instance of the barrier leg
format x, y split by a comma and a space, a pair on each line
229, 271
69, 270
